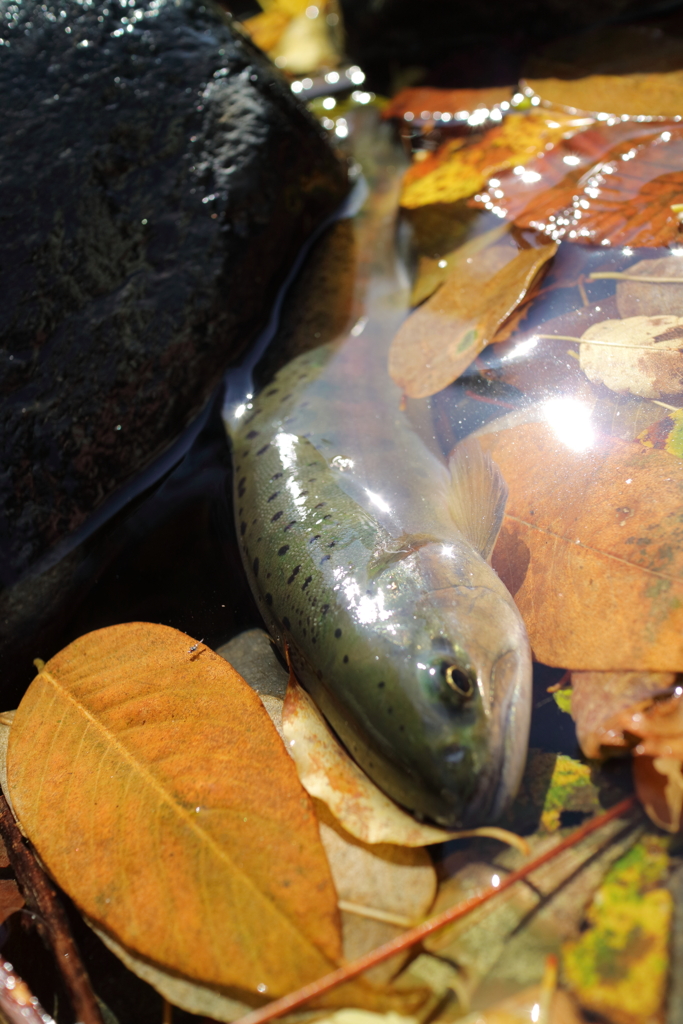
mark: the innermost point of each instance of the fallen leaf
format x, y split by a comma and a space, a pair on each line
513, 935
441, 338
597, 698
169, 782
651, 298
432, 272
524, 1007
456, 170
266, 28
376, 886
659, 787
328, 774
383, 889
642, 355
618, 967
11, 899
594, 594
624, 178
422, 105
651, 95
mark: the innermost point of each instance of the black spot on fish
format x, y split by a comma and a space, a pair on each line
264, 449
238, 468
286, 623
381, 685
312, 480
295, 573
241, 488
337, 633
319, 674
269, 599
245, 452
276, 476
252, 434
285, 397
304, 631
303, 494
283, 550
317, 537
325, 609
254, 521
240, 511
268, 575
273, 496
327, 517
332, 544
290, 524
390, 711
321, 504
325, 558
314, 639
401, 728
243, 529
346, 659
255, 566
273, 391
277, 515
308, 580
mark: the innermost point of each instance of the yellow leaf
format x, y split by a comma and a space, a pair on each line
456, 171
441, 338
160, 797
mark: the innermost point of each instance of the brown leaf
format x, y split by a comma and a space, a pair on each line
383, 889
441, 338
599, 697
171, 813
328, 774
11, 899
651, 298
591, 541
642, 355
421, 101
659, 787
652, 95
620, 190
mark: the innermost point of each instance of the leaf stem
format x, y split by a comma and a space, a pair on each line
41, 896
421, 931
615, 275
606, 344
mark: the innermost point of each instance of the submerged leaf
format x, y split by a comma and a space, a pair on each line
441, 338
618, 967
651, 297
421, 105
171, 813
590, 542
652, 95
642, 355
623, 182
459, 170
598, 698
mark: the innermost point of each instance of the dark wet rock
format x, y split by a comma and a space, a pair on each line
158, 179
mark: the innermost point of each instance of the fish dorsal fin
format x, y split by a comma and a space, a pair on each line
477, 495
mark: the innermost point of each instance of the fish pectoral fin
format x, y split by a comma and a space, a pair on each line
477, 495
396, 549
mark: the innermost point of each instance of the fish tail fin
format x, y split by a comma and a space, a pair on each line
477, 495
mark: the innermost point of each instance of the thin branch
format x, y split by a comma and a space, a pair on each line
41, 896
615, 275
421, 931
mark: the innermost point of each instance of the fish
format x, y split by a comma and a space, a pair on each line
369, 556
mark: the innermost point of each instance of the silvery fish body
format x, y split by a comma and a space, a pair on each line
367, 553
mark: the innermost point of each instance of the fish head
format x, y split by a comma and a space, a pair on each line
471, 667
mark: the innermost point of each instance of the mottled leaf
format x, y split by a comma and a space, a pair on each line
441, 338
159, 796
618, 967
658, 294
642, 355
459, 169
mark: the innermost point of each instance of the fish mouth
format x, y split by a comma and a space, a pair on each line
507, 752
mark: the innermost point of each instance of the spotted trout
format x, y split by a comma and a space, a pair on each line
368, 555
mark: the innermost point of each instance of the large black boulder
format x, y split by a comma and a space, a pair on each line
158, 179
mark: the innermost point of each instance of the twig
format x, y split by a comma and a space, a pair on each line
17, 1003
41, 896
421, 931
606, 344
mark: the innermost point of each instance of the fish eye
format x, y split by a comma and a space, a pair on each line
460, 682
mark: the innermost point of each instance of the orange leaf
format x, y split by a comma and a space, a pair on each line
598, 698
594, 594
420, 101
441, 338
160, 797
623, 181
